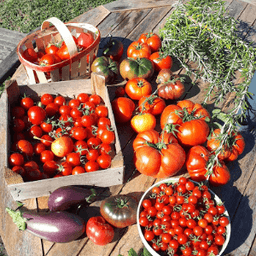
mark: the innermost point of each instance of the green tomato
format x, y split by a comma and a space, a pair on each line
106, 67
141, 67
120, 210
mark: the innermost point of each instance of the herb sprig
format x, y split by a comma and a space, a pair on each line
202, 32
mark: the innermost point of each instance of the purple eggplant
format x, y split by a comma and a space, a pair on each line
59, 227
64, 197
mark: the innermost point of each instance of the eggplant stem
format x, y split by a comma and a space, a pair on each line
17, 218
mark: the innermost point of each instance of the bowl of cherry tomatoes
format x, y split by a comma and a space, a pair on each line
178, 216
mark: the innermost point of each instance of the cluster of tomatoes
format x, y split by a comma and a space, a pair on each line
185, 137
183, 219
55, 53
60, 136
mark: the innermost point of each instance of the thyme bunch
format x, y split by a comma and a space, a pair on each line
201, 32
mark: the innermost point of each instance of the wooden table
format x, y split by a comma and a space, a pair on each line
126, 20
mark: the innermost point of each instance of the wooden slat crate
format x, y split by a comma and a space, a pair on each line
21, 190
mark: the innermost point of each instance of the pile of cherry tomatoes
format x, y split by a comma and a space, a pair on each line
60, 136
55, 53
182, 218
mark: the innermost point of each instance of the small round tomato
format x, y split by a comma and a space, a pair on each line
84, 40
99, 231
50, 168
64, 109
79, 133
30, 55
27, 102
46, 155
73, 158
46, 98
138, 87
107, 136
161, 61
36, 115
51, 109
18, 125
81, 147
104, 161
91, 166
60, 100
17, 112
16, 159
25, 147
62, 146
47, 60
82, 97
65, 168
78, 170
38, 147
101, 111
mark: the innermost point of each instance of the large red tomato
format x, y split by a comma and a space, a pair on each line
84, 40
137, 87
99, 231
151, 104
161, 61
153, 157
123, 109
138, 50
189, 119
196, 162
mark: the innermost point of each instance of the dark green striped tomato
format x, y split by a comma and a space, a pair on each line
141, 67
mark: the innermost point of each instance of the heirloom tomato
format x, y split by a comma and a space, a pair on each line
113, 49
120, 210
137, 87
172, 89
99, 231
151, 104
190, 120
123, 109
220, 175
164, 75
196, 162
143, 122
155, 158
152, 40
131, 68
106, 67
161, 61
137, 50
231, 150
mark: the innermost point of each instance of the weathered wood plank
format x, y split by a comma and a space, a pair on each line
134, 4
236, 8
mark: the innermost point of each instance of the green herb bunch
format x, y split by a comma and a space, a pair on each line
200, 31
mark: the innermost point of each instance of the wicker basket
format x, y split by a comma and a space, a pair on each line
79, 64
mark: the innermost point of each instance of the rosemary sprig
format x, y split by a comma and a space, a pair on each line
201, 32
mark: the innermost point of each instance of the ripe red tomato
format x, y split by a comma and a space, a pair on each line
27, 102
46, 98
79, 133
36, 115
50, 168
91, 166
48, 59
62, 146
107, 136
25, 147
78, 170
84, 40
104, 161
30, 55
101, 111
123, 109
220, 175
65, 168
63, 52
138, 87
156, 160
151, 39
161, 61
196, 162
16, 159
99, 231
60, 100
73, 158
151, 104
46, 155
51, 109
83, 97
138, 50
51, 49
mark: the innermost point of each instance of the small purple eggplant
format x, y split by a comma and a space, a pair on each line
59, 227
64, 197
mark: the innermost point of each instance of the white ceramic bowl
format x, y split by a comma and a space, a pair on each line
174, 180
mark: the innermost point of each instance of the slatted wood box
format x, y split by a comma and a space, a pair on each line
21, 190
76, 67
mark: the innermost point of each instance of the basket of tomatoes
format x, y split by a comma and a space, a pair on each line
178, 216
59, 51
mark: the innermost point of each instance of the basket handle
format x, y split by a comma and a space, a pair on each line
64, 32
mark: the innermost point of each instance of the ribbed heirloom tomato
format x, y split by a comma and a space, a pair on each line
190, 121
138, 50
161, 61
151, 104
154, 156
151, 39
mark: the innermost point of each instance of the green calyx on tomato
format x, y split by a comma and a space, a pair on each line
141, 67
106, 67
120, 210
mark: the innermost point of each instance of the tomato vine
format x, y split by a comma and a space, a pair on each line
202, 32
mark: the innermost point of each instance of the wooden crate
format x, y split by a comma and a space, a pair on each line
21, 190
